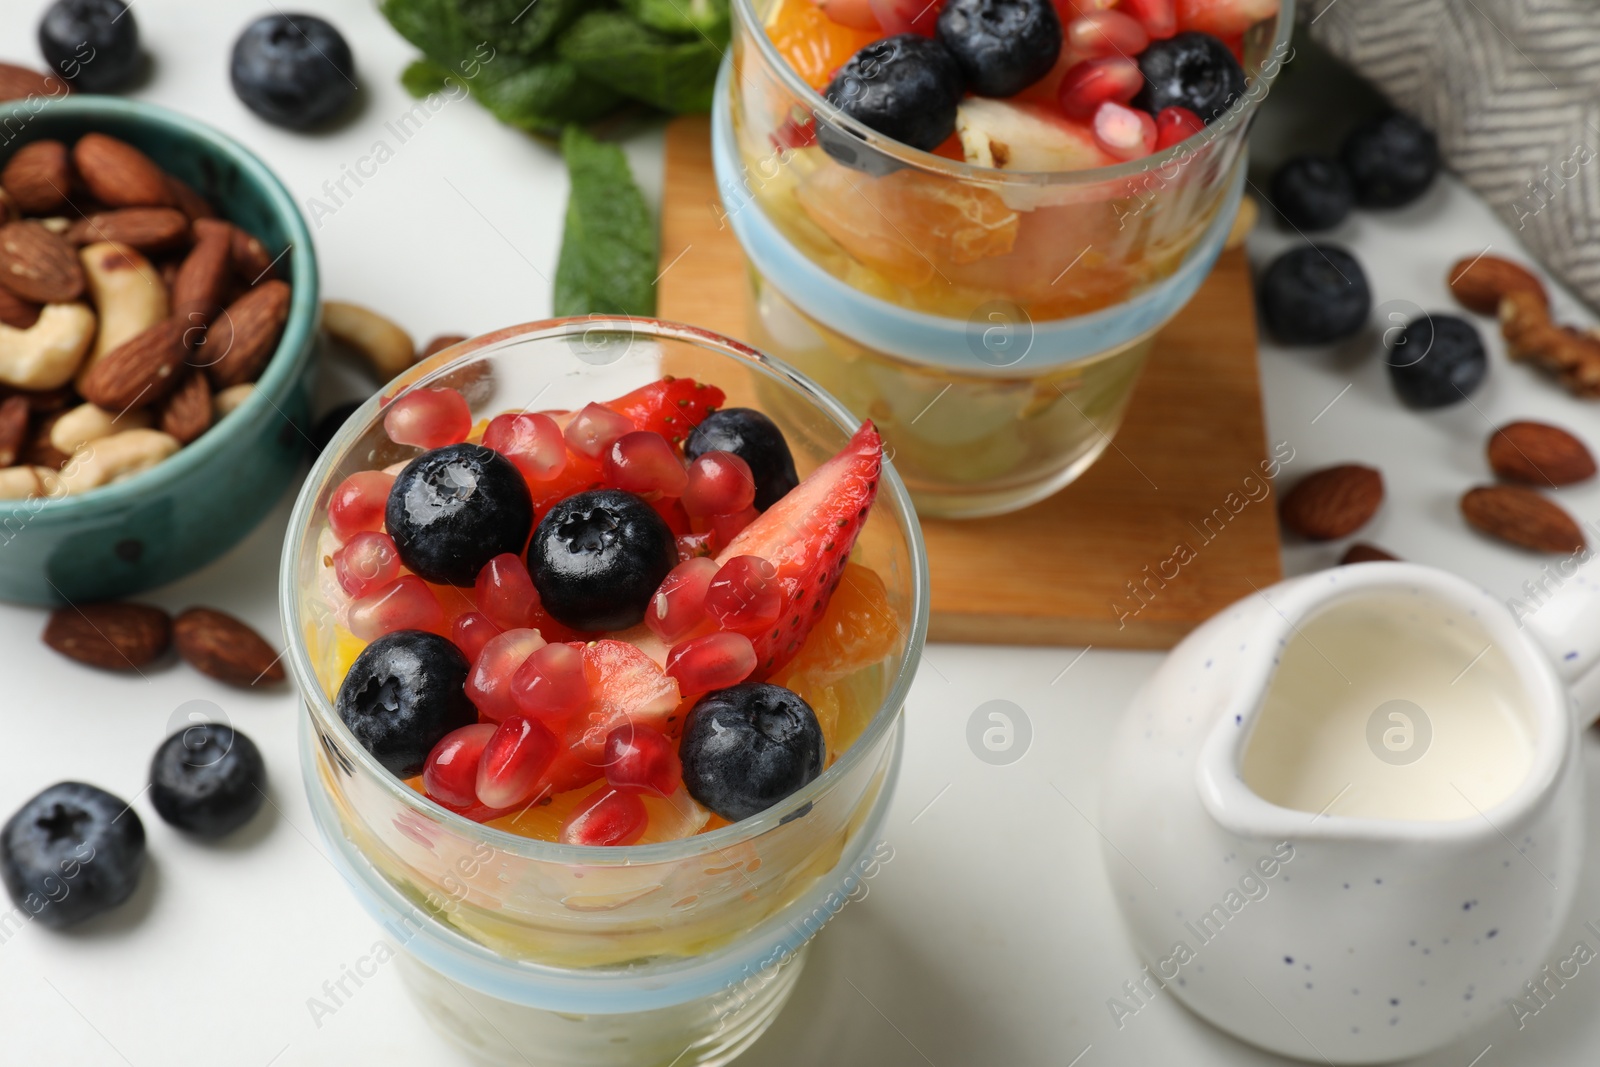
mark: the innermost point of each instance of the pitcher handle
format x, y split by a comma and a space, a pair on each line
1562, 610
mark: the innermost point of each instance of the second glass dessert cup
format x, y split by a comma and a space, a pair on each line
992, 322
526, 951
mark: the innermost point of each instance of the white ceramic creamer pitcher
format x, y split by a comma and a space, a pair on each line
1344, 818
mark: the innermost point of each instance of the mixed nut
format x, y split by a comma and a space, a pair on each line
127, 331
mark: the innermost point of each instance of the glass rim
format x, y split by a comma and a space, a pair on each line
320, 707
1238, 114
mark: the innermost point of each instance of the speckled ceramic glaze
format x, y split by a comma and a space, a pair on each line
1324, 937
178, 516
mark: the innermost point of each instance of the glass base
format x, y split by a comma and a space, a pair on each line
707, 1032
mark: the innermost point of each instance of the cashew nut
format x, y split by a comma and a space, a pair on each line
57, 225
18, 483
126, 289
227, 401
47, 353
115, 457
86, 423
383, 346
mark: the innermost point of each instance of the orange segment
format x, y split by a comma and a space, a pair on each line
814, 44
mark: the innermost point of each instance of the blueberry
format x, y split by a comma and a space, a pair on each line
1436, 360
293, 70
1314, 294
330, 424
1313, 193
402, 694
905, 87
207, 779
94, 44
1193, 70
746, 748
754, 438
597, 558
454, 509
71, 853
1003, 46
1392, 160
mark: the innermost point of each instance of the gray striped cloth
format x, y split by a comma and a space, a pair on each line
1512, 88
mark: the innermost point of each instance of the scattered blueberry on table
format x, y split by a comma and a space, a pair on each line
94, 44
70, 853
1313, 295
293, 70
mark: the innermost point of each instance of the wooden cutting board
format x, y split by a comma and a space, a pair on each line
1172, 524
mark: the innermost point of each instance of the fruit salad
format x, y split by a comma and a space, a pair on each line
623, 624
1021, 88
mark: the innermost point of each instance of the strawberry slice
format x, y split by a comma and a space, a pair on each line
671, 407
807, 537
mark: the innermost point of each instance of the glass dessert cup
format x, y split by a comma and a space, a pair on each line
992, 322
526, 951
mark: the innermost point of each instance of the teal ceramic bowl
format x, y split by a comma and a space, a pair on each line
176, 517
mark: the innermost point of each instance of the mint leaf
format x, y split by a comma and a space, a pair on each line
709, 17
673, 73
522, 26
608, 252
544, 95
423, 77
540, 93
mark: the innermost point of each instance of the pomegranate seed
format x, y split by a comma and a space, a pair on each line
1106, 33
609, 817
532, 441
1158, 17
643, 462
451, 773
357, 503
795, 134
907, 16
429, 418
724, 528
592, 430
1175, 124
551, 684
367, 562
1124, 132
471, 631
679, 603
744, 595
504, 592
520, 751
489, 684
1087, 85
715, 661
404, 604
642, 760
720, 483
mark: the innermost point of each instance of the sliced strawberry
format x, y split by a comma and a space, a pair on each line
627, 687
807, 537
671, 407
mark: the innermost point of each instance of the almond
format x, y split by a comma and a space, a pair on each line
219, 645
1333, 502
16, 312
118, 174
14, 414
203, 277
1539, 454
116, 637
188, 201
139, 371
242, 340
439, 344
1480, 284
1361, 552
186, 413
37, 265
19, 82
250, 257
1521, 516
37, 177
149, 229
